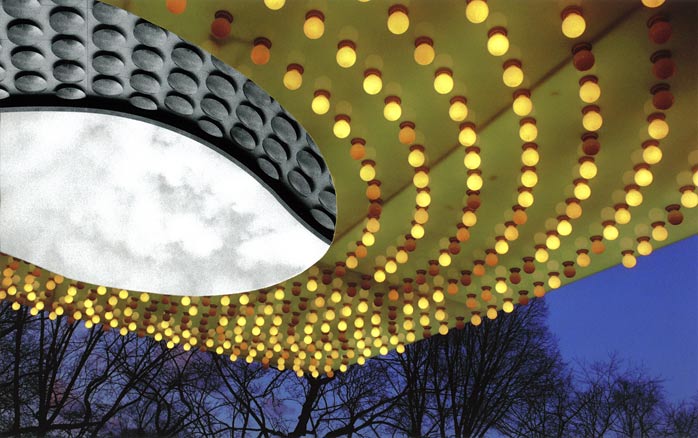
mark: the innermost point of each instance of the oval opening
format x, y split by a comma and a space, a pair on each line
123, 203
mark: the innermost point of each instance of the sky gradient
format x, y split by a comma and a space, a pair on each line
648, 315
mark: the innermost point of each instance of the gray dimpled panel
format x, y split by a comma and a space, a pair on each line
83, 54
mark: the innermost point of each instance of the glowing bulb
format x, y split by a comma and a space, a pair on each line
407, 134
633, 197
368, 239
582, 191
476, 320
552, 241
443, 81
522, 104
274, 5
423, 199
643, 176
416, 156
651, 154
474, 181
529, 156
500, 286
508, 306
467, 135
424, 51
392, 110
261, 53
469, 218
554, 281
592, 120
659, 232
689, 198
444, 259
379, 275
513, 75
321, 102
541, 255
458, 111
589, 90
525, 198
529, 178
368, 171
501, 246
657, 128
420, 179
373, 83
497, 42
610, 232
644, 247
176, 6
629, 260
573, 210
573, 24
314, 25
398, 20
476, 11
622, 215
417, 231
346, 53
391, 266
653, 3
472, 159
528, 130
492, 312
564, 227
511, 232
293, 78
341, 128
583, 259
587, 169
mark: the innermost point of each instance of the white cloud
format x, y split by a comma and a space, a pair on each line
123, 203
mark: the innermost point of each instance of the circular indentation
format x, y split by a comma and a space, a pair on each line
66, 20
70, 92
147, 59
276, 150
268, 168
145, 82
250, 116
107, 86
310, 164
322, 218
24, 32
150, 34
328, 200
210, 127
143, 102
255, 94
221, 86
299, 183
285, 128
109, 38
183, 82
187, 57
108, 14
21, 8
66, 71
30, 82
27, 58
244, 137
214, 108
107, 63
68, 48
3, 93
179, 104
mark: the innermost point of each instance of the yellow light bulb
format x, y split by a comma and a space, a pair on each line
401, 257
476, 11
341, 128
541, 255
467, 135
587, 169
475, 320
554, 282
379, 275
367, 172
525, 198
469, 218
416, 157
564, 227
689, 198
659, 233
589, 91
368, 239
458, 111
346, 54
274, 5
513, 75
592, 120
629, 260
373, 83
695, 177
474, 181
653, 3
511, 233
633, 197
498, 43
529, 156
652, 154
443, 81
529, 178
407, 134
573, 25
552, 241
508, 306
444, 259
610, 232
391, 266
583, 259
293, 78
582, 191
644, 248
398, 20
658, 129
622, 215
492, 313
417, 231
423, 199
420, 179
501, 246
424, 51
392, 110
522, 105
528, 131
500, 286
314, 25
643, 177
472, 160
321, 102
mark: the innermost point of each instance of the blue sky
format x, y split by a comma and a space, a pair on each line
648, 314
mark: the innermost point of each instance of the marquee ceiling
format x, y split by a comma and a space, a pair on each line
600, 182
